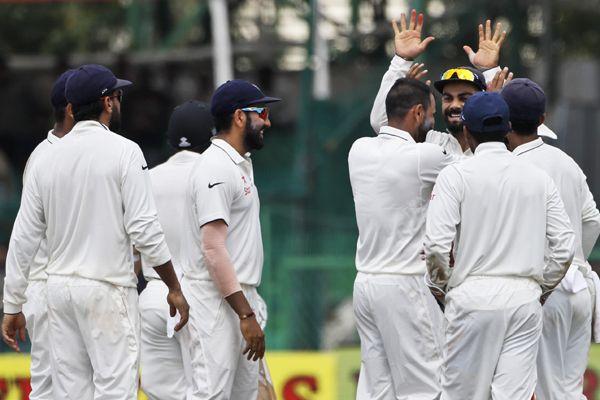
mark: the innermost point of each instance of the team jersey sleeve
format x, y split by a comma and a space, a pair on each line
590, 219
140, 215
27, 234
560, 236
214, 190
398, 69
443, 216
432, 160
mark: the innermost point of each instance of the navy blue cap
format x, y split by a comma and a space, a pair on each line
191, 125
236, 94
90, 82
486, 112
57, 95
525, 98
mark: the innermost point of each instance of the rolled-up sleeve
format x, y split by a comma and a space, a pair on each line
561, 239
28, 231
443, 216
139, 210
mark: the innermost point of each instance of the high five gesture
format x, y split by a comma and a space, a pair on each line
488, 52
407, 39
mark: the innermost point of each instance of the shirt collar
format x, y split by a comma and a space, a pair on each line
230, 151
491, 147
528, 146
51, 137
183, 156
399, 133
90, 123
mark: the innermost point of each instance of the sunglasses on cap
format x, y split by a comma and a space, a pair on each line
263, 112
463, 74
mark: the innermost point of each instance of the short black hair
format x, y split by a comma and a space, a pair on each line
89, 111
523, 127
404, 95
223, 122
484, 137
59, 114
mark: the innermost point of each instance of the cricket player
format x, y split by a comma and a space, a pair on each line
399, 323
91, 196
567, 315
165, 363
499, 210
35, 309
223, 257
455, 85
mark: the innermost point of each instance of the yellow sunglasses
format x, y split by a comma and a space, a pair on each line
459, 73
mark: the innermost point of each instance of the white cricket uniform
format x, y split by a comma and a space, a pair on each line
392, 178
165, 363
398, 69
499, 210
567, 322
36, 307
221, 187
91, 195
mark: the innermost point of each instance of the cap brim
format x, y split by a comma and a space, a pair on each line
544, 131
122, 83
265, 100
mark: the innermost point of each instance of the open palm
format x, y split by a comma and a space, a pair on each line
488, 52
407, 39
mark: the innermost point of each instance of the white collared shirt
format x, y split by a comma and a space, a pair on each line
222, 187
169, 186
91, 195
398, 69
577, 198
392, 178
37, 270
499, 210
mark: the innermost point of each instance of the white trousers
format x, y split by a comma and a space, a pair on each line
490, 351
219, 369
564, 345
401, 337
94, 331
36, 315
165, 361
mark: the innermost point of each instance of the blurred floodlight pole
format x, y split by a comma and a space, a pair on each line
222, 60
320, 62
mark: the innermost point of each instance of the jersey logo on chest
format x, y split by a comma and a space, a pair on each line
247, 186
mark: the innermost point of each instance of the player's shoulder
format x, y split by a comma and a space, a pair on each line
436, 137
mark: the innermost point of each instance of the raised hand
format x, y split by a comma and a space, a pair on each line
488, 53
416, 71
501, 78
407, 39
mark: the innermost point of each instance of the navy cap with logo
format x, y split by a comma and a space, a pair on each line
486, 112
191, 125
90, 82
526, 100
236, 94
57, 95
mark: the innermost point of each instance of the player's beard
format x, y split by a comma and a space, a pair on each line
423, 129
115, 120
455, 128
253, 138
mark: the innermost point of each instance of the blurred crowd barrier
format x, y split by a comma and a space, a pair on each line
297, 375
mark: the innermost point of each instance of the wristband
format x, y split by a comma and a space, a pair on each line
246, 316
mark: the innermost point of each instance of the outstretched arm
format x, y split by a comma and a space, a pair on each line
408, 45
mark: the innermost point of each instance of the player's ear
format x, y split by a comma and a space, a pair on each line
239, 118
69, 110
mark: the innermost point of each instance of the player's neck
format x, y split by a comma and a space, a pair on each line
462, 140
515, 140
59, 130
235, 141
